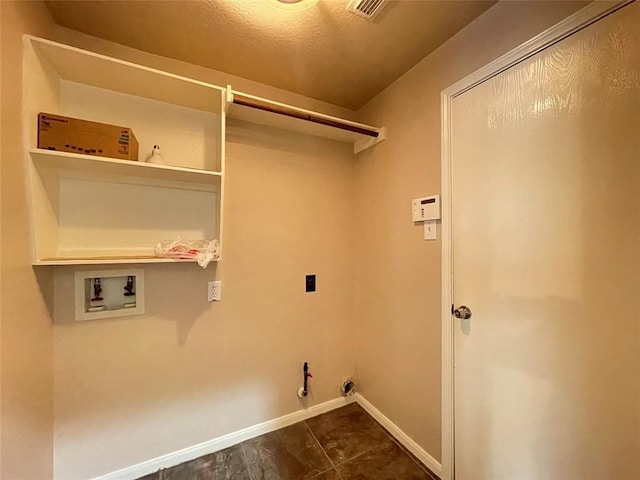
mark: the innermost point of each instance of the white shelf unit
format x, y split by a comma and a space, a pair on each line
97, 210
262, 111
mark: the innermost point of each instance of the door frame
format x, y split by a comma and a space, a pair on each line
563, 29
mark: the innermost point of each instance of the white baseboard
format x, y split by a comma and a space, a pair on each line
402, 437
225, 441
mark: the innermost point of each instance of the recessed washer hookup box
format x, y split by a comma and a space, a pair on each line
74, 135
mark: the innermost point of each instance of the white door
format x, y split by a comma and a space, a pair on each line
546, 254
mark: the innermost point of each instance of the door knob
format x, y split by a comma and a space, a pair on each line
463, 312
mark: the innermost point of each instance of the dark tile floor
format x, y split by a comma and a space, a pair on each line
344, 444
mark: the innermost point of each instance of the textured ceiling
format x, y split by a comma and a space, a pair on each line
314, 48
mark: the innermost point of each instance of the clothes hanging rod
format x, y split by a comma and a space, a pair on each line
290, 112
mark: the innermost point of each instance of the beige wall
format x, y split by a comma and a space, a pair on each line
27, 344
132, 389
398, 287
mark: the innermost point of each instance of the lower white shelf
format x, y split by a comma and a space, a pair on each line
108, 260
95, 211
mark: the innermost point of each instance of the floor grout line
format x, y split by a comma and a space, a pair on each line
361, 454
319, 444
373, 447
322, 473
246, 462
408, 453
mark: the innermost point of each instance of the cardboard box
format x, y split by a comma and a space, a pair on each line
66, 134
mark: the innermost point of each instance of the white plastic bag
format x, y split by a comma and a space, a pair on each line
204, 251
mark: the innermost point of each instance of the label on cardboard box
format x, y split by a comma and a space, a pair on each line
74, 135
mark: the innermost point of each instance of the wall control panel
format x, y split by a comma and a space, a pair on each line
425, 208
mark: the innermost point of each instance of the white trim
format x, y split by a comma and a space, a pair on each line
420, 453
447, 426
561, 30
225, 441
579, 20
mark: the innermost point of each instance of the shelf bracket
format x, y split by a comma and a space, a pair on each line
365, 143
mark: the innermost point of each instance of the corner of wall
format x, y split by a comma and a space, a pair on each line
26, 381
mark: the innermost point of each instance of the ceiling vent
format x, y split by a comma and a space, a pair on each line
366, 8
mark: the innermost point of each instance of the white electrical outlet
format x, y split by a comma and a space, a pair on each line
430, 230
214, 292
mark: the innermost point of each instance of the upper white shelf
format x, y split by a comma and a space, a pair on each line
93, 69
94, 165
81, 66
266, 112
